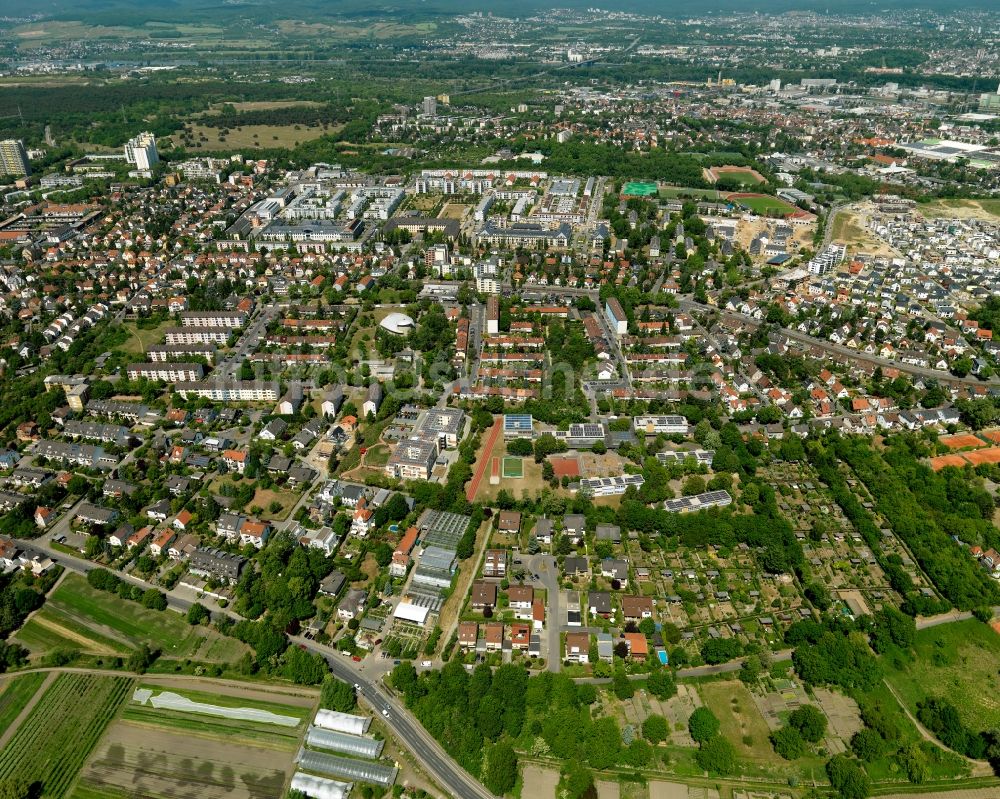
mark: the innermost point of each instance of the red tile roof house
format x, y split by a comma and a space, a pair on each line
493, 635
235, 460
139, 537
577, 647
520, 636
538, 614
183, 519
254, 532
638, 647
42, 516
468, 633
162, 541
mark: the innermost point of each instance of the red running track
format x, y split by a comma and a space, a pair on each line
477, 477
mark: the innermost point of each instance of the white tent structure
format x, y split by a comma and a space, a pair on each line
342, 722
320, 787
415, 614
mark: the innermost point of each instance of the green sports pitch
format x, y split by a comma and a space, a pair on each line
513, 468
640, 188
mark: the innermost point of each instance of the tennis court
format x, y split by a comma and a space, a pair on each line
639, 188
513, 468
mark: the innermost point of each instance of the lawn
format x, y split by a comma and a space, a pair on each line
140, 339
15, 695
959, 662
765, 205
52, 744
77, 613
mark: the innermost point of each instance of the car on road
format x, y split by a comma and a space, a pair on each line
425, 663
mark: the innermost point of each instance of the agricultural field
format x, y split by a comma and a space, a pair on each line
959, 662
54, 741
210, 756
79, 617
15, 694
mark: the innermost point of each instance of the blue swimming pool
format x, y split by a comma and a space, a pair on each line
662, 655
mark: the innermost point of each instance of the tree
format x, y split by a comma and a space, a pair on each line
810, 723
521, 447
578, 782
141, 659
500, 772
655, 728
621, 684
847, 777
304, 668
702, 724
338, 695
197, 613
661, 684
154, 600
717, 755
788, 743
867, 745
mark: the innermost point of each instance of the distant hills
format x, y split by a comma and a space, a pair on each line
132, 12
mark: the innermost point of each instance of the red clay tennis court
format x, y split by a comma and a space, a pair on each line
961, 441
941, 461
978, 458
565, 467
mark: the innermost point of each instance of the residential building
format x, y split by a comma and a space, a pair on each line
577, 647
413, 459
14, 159
141, 151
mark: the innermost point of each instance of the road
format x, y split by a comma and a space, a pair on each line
452, 777
829, 346
548, 577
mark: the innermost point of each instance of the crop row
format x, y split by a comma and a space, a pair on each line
54, 741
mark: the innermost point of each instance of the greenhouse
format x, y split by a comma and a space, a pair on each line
341, 742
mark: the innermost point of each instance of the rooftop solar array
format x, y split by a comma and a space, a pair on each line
710, 499
517, 421
586, 430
